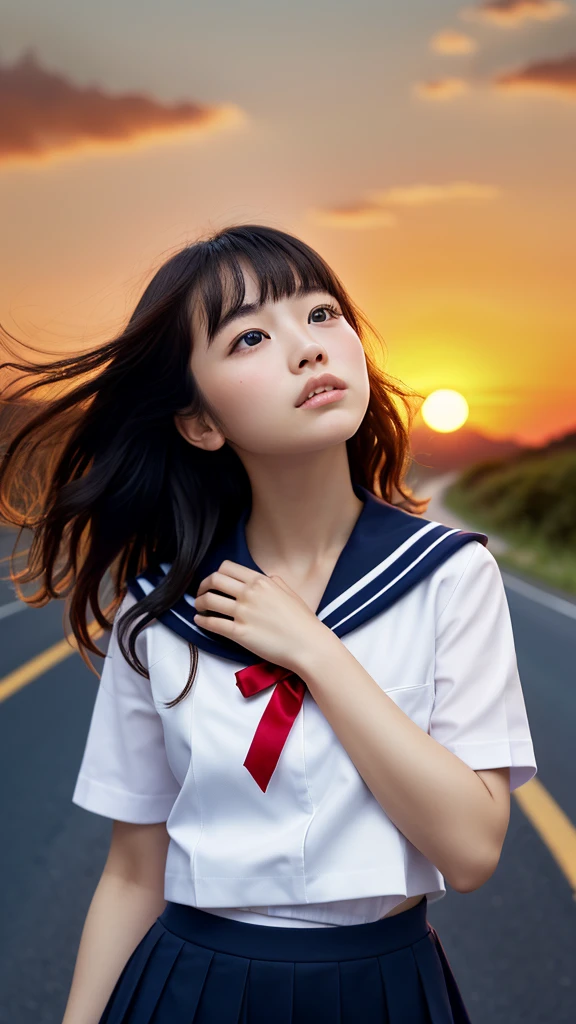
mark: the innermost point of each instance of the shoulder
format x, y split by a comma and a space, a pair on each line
128, 601
470, 569
471, 555
156, 642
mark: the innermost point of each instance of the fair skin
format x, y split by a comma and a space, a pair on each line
127, 900
303, 510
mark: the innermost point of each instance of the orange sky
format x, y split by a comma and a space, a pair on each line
427, 154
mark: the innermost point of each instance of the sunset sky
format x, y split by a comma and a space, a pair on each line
427, 150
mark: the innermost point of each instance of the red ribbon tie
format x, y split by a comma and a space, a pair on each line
278, 718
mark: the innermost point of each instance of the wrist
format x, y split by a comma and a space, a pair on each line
315, 652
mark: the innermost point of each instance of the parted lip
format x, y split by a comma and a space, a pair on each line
318, 382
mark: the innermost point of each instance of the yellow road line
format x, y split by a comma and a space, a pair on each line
548, 819
552, 824
30, 670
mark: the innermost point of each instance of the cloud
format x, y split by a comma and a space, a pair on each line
374, 212
452, 42
425, 195
556, 78
508, 13
44, 114
354, 215
441, 88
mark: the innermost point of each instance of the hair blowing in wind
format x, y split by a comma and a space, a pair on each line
103, 478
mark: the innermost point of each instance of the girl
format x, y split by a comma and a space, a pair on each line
310, 714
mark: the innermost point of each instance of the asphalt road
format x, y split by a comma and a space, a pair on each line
512, 943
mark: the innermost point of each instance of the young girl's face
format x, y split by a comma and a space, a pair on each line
257, 367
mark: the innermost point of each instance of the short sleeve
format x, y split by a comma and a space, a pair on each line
479, 711
124, 773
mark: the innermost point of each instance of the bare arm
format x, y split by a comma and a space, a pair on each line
126, 902
455, 816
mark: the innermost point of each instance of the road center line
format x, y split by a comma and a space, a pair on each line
41, 663
552, 825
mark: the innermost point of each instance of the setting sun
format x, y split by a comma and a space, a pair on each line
445, 410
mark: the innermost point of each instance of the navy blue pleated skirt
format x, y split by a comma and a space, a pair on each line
193, 967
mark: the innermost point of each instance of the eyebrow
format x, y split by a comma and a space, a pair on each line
249, 308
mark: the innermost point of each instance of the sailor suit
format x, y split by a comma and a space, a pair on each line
268, 818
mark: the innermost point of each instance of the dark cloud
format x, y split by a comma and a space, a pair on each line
549, 77
512, 12
43, 113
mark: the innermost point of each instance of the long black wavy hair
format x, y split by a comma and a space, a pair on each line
103, 478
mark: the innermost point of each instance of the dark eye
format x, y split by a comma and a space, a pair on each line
252, 337
320, 309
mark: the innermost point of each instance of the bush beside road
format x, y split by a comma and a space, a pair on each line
528, 502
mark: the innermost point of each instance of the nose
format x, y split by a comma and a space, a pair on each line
313, 353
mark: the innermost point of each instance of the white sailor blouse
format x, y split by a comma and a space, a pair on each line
264, 808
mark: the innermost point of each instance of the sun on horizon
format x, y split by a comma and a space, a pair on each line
445, 410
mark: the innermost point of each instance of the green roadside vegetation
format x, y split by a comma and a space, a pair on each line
530, 502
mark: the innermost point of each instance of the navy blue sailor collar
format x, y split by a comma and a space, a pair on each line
387, 553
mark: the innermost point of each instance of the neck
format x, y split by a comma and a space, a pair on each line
303, 509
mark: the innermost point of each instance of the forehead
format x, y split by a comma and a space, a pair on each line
233, 285
229, 284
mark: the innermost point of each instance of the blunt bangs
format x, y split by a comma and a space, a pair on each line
281, 265
116, 486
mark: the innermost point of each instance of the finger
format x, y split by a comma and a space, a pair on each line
238, 571
214, 624
215, 603
220, 581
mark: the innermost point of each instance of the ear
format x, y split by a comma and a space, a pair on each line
199, 431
